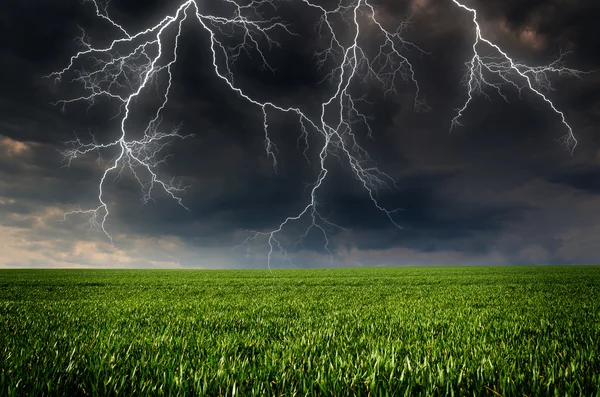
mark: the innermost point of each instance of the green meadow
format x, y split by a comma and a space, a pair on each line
476, 331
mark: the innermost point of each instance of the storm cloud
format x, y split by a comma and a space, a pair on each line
499, 190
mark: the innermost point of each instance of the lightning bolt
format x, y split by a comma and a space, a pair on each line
126, 69
510, 72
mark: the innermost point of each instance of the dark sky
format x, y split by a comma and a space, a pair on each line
501, 189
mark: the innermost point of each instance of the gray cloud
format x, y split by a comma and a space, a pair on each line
499, 190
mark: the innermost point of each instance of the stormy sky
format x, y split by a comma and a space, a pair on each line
501, 189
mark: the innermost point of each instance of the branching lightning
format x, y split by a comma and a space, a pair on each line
126, 69
513, 73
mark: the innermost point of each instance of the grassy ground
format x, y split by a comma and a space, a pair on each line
405, 331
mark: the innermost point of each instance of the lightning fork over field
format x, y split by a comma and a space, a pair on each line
127, 68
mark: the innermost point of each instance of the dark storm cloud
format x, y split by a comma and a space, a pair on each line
583, 179
477, 194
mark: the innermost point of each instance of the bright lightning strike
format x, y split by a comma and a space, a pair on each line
507, 71
127, 68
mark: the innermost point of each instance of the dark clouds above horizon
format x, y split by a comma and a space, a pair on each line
499, 190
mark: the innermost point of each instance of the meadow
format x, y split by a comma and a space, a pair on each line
476, 331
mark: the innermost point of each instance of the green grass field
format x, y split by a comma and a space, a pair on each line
380, 332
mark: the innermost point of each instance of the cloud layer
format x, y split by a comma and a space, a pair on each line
500, 190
